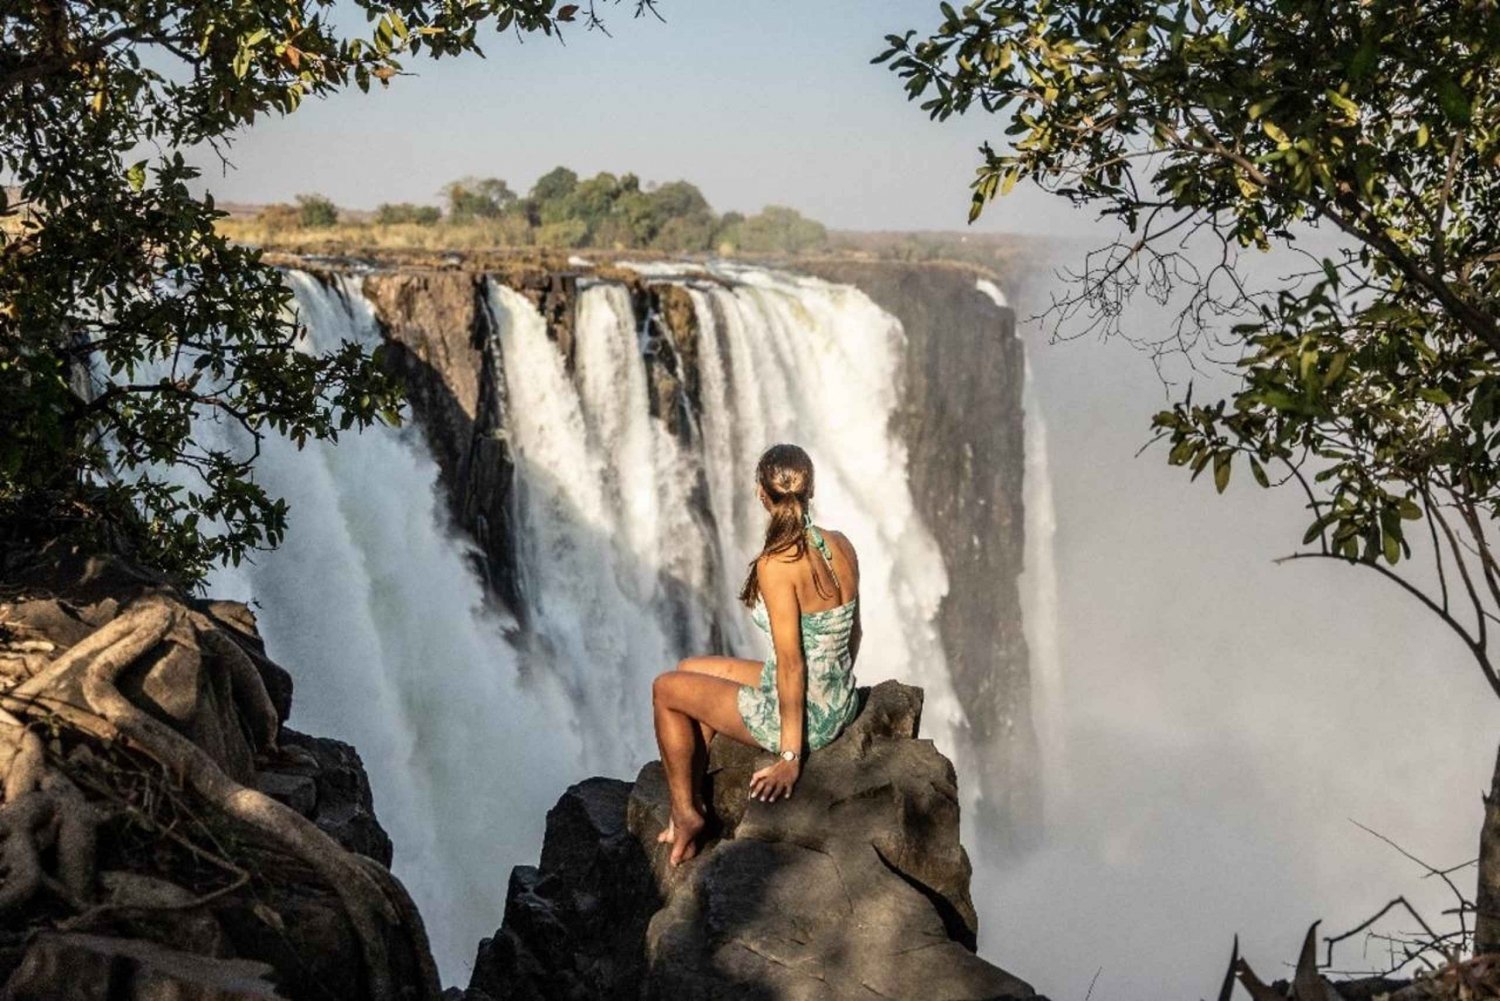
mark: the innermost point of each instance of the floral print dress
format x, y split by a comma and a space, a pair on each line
831, 701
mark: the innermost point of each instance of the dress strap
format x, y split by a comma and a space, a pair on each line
823, 549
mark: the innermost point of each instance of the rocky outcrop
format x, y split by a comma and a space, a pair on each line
855, 887
962, 422
164, 834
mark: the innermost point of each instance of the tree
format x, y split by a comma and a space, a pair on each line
405, 213
316, 210
555, 185
1205, 128
123, 315
476, 198
775, 229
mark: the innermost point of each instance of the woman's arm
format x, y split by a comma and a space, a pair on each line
778, 589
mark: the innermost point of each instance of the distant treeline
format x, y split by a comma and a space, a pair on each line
563, 210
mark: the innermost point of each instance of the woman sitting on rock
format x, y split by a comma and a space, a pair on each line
803, 590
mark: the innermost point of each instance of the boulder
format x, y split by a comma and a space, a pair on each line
856, 886
573, 926
324, 780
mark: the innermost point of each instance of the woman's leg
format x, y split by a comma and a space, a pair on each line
736, 669
680, 701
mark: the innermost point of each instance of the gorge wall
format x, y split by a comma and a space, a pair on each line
962, 421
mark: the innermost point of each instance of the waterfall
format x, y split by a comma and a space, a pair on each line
371, 603
614, 563
1039, 614
787, 358
630, 547
604, 527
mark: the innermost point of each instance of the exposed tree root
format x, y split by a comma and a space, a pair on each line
43, 808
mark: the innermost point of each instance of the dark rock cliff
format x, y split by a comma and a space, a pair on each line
962, 422
855, 887
164, 833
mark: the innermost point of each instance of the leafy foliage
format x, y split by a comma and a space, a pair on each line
609, 211
403, 213
124, 316
316, 210
478, 198
1206, 128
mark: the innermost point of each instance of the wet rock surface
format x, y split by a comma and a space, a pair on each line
854, 887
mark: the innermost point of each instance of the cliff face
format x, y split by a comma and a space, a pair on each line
962, 423
165, 834
440, 335
855, 887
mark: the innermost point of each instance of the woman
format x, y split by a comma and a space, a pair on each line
804, 592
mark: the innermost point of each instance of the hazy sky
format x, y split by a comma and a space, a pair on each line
756, 102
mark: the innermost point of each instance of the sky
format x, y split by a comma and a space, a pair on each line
759, 102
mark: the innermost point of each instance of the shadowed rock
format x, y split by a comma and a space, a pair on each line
101, 968
854, 887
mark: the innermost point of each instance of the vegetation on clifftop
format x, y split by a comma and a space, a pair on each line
560, 211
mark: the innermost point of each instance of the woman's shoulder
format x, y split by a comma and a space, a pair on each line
842, 541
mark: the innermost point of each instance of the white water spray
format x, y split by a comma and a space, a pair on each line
1039, 615
373, 606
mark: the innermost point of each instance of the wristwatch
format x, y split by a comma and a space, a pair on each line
790, 755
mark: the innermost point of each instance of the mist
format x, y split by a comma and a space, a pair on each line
1217, 724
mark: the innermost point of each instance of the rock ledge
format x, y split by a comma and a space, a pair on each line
856, 887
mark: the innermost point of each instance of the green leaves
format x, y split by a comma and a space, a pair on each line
1454, 102
119, 275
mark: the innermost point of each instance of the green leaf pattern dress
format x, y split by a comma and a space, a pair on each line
831, 700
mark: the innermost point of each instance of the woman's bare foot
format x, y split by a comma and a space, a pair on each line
685, 836
669, 835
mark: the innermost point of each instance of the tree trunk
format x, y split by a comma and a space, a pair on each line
1487, 899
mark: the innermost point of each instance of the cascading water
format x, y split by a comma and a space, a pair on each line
372, 603
1039, 615
1039, 596
621, 568
614, 563
604, 525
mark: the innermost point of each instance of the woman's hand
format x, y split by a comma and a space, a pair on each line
775, 782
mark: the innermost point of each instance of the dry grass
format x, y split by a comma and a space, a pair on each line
353, 237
